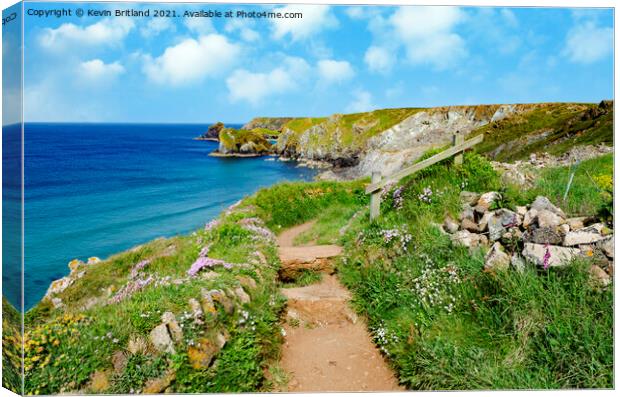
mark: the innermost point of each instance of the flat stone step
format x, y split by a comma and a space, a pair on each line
320, 303
317, 258
327, 289
308, 254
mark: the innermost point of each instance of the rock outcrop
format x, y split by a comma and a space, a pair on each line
270, 123
242, 143
387, 140
539, 234
213, 133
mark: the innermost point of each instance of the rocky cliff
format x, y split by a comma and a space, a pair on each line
243, 142
213, 132
389, 139
270, 123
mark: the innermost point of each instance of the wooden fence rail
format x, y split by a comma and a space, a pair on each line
377, 183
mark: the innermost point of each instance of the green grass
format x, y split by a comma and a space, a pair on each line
539, 329
553, 128
288, 204
11, 347
536, 330
304, 278
587, 194
232, 140
349, 131
64, 347
328, 226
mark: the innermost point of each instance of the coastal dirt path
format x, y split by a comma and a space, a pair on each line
327, 347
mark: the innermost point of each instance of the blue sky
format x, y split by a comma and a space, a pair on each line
336, 59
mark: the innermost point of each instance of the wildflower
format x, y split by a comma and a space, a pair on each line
137, 267
130, 288
260, 232
203, 262
386, 189
390, 235
205, 250
426, 194
211, 225
546, 257
397, 197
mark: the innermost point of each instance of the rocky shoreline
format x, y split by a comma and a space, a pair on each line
238, 155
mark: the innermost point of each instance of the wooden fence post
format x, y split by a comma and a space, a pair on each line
375, 197
457, 139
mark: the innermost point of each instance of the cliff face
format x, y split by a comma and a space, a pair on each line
270, 123
339, 139
213, 133
382, 140
248, 142
387, 140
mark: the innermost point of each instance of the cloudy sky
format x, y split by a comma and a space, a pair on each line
335, 60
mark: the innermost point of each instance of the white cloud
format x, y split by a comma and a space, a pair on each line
332, 71
109, 32
315, 19
362, 102
245, 32
362, 12
427, 34
192, 60
509, 17
587, 43
155, 26
357, 12
199, 25
98, 71
251, 87
379, 59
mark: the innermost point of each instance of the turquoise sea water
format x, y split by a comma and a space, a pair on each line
98, 189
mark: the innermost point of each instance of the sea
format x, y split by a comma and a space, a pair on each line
99, 189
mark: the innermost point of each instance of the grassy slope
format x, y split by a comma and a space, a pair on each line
64, 347
536, 330
502, 332
349, 131
553, 127
11, 347
474, 330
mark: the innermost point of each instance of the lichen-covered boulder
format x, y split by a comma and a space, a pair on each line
160, 338
543, 203
500, 222
587, 235
496, 259
549, 255
469, 239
